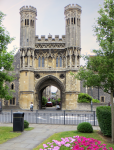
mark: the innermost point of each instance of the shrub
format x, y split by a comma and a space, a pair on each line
44, 101
26, 124
58, 101
84, 98
85, 127
53, 102
95, 101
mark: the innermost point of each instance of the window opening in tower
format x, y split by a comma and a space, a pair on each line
42, 61
27, 21
60, 61
39, 62
71, 20
57, 62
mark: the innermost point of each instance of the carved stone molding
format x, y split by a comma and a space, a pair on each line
49, 45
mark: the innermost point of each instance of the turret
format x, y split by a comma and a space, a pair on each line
27, 36
72, 24
73, 34
27, 26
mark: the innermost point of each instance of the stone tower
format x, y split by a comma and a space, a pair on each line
73, 35
27, 48
27, 26
73, 48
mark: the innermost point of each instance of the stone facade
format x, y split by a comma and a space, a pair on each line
42, 62
45, 62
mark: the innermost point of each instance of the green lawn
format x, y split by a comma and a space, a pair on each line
58, 136
6, 133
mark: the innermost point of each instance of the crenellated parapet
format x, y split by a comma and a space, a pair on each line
56, 39
28, 9
73, 6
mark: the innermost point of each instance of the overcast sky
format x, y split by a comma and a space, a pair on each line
51, 19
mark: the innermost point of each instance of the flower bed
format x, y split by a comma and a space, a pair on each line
75, 143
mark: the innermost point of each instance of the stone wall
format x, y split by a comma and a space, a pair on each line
87, 106
94, 93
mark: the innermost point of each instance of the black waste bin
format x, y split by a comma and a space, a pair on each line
18, 121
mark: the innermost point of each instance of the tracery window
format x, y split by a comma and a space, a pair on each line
57, 62
42, 61
12, 86
60, 61
71, 20
12, 101
39, 62
32, 23
26, 21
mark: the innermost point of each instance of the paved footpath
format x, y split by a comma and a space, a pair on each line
30, 139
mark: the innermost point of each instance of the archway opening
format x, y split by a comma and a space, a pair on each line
51, 98
46, 83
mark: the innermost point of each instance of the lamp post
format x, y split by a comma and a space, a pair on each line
91, 99
0, 105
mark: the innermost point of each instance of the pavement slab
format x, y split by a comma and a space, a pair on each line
30, 139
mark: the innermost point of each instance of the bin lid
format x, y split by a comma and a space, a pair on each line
18, 114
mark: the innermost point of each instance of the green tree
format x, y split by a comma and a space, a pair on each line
6, 60
99, 70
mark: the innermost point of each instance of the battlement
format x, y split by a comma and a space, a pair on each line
76, 6
56, 39
28, 8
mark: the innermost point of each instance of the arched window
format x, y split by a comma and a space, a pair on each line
60, 61
42, 61
12, 86
31, 23
26, 21
39, 62
57, 62
12, 101
71, 20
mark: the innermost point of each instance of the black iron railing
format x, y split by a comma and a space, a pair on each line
68, 117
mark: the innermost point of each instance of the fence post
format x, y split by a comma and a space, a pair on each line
94, 117
64, 117
36, 116
11, 115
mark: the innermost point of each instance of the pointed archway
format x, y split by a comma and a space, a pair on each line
47, 81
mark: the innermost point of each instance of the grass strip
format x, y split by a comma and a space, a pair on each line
6, 133
28, 129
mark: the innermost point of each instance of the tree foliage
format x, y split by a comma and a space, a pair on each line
6, 60
99, 70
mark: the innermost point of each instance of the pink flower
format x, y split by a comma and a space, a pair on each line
44, 145
67, 145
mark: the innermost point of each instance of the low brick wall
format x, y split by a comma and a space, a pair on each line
87, 106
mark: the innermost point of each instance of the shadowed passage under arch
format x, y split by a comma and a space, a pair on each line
45, 82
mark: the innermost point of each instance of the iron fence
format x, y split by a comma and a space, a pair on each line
67, 117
